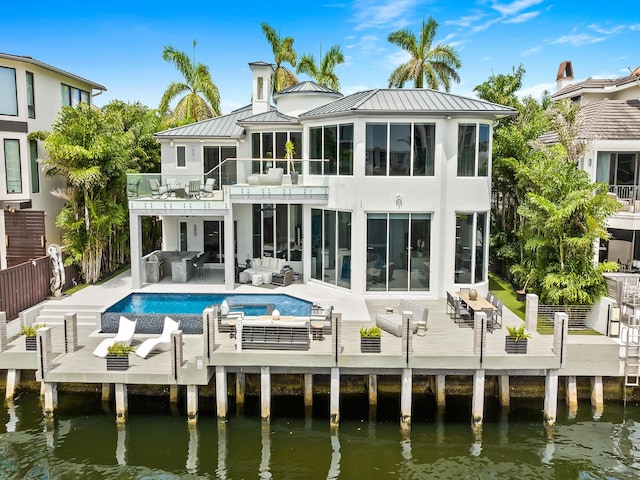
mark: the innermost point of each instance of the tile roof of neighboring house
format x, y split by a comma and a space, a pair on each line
33, 61
602, 84
272, 116
223, 126
606, 120
409, 101
306, 87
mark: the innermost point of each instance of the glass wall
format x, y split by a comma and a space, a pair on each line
8, 91
331, 146
268, 148
331, 247
398, 251
470, 247
12, 166
473, 150
214, 156
400, 149
277, 231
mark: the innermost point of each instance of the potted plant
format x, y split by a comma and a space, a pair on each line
118, 356
516, 340
370, 339
290, 149
30, 335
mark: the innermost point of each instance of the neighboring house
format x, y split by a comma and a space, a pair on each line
393, 195
32, 94
611, 122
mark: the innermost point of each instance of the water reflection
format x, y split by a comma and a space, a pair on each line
549, 448
265, 463
221, 470
121, 444
476, 446
192, 452
334, 468
11, 425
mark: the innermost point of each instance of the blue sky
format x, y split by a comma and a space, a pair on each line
119, 44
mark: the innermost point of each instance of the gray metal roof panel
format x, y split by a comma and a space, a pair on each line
223, 126
409, 101
307, 87
33, 61
272, 116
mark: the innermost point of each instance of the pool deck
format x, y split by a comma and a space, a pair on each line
446, 349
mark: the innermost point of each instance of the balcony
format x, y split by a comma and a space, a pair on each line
627, 196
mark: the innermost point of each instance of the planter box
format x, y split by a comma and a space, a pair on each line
511, 346
30, 343
117, 362
369, 345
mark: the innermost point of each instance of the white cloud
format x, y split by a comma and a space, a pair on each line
484, 26
537, 90
531, 51
465, 21
514, 8
383, 13
523, 17
607, 31
635, 26
577, 39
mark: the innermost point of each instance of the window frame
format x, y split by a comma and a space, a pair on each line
333, 163
10, 113
183, 148
31, 95
476, 170
473, 248
19, 166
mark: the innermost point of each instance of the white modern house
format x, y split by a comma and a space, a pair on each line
32, 94
392, 195
611, 122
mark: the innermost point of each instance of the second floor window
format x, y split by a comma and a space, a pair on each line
12, 165
181, 156
8, 92
473, 150
332, 148
35, 168
72, 96
268, 148
400, 149
31, 97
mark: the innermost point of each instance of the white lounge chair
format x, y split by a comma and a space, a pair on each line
126, 328
163, 342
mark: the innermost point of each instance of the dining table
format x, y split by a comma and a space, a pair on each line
479, 303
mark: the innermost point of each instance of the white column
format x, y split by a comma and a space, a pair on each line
13, 380
121, 402
477, 402
503, 390
373, 389
240, 389
135, 244
441, 399
551, 397
597, 396
308, 390
531, 312
405, 399
265, 393
221, 391
50, 399
229, 248
572, 395
335, 397
192, 404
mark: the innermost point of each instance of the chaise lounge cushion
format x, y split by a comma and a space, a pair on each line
392, 322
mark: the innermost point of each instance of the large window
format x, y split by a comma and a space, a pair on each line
331, 247
31, 98
331, 150
268, 148
12, 165
398, 251
471, 247
35, 168
277, 231
473, 150
620, 172
8, 92
400, 149
214, 165
181, 156
72, 96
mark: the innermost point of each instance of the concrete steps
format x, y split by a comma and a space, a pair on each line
54, 315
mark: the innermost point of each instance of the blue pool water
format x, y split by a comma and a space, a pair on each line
195, 303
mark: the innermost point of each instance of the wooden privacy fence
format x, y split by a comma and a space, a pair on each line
27, 284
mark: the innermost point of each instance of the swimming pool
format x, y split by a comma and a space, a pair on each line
150, 308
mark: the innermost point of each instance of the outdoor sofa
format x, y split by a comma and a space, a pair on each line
392, 322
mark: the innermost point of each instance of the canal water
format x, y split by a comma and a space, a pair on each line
84, 442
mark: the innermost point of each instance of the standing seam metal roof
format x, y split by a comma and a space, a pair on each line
409, 100
223, 126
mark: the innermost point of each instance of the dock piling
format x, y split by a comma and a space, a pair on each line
551, 397
335, 397
503, 390
308, 390
241, 381
477, 402
50, 399
597, 396
405, 399
265, 393
13, 380
221, 391
571, 395
441, 398
192, 404
373, 389
121, 402
106, 392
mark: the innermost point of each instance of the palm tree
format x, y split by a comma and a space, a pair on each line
323, 73
436, 65
282, 52
197, 80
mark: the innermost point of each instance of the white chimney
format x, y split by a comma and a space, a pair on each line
565, 75
261, 95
